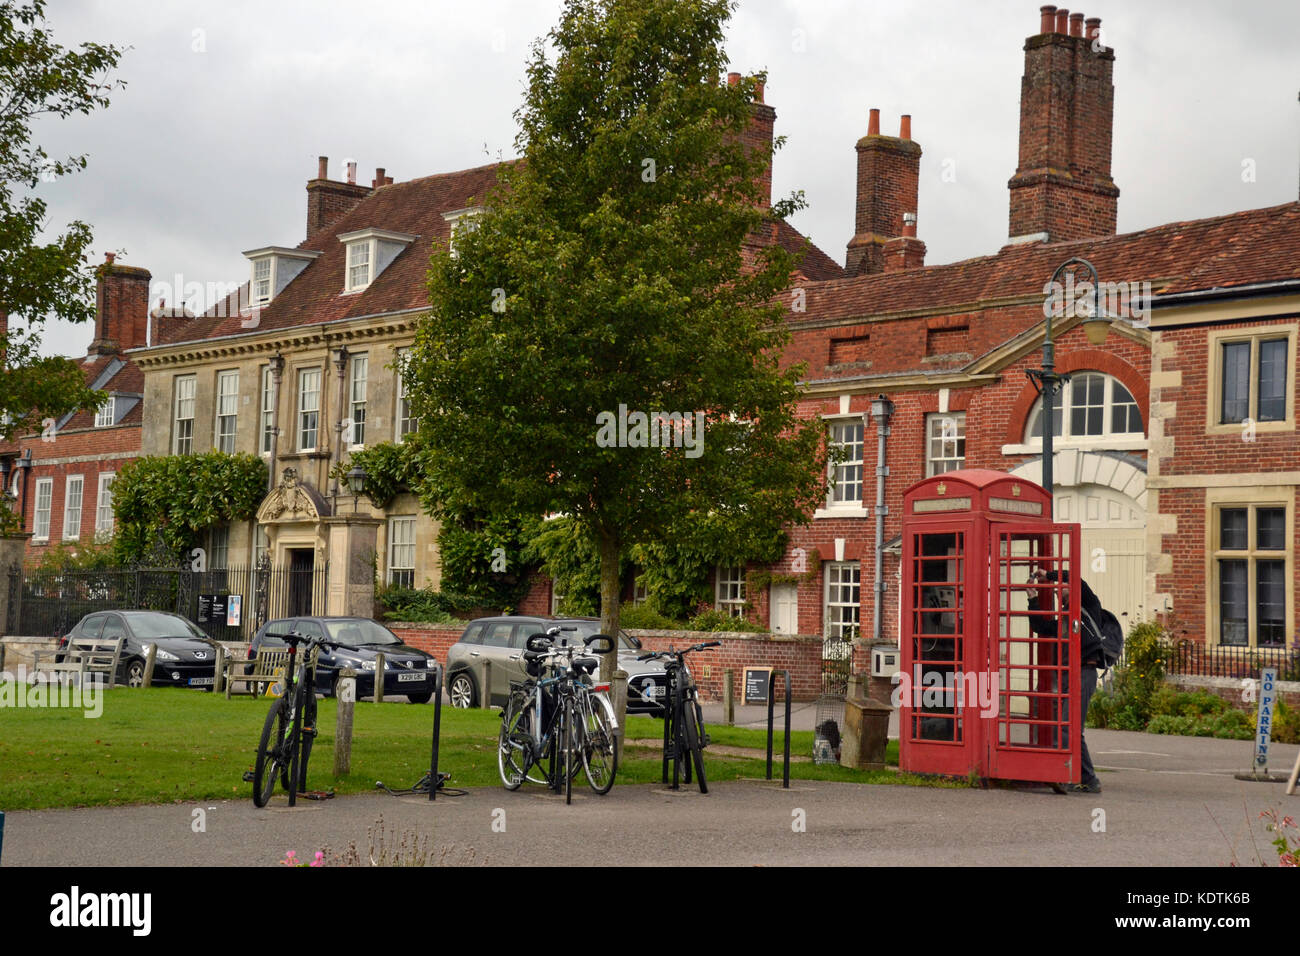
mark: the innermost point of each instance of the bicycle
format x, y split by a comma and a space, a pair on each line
552, 723
684, 736
290, 729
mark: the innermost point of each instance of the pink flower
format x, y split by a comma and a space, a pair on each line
319, 860
1287, 859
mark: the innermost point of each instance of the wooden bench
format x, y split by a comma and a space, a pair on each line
82, 656
268, 667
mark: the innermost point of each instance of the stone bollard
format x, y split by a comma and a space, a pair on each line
343, 729
618, 697
219, 670
148, 665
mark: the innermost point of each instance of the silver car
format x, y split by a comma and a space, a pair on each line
490, 652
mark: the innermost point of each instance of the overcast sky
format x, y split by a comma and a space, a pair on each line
207, 151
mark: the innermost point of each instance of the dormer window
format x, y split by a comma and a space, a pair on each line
461, 222
262, 281
104, 414
370, 251
358, 266
274, 267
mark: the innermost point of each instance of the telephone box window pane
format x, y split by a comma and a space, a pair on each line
1232, 529
1236, 382
1272, 380
1270, 595
1232, 603
1271, 529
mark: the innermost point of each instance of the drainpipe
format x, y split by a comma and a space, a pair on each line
882, 409
341, 366
277, 372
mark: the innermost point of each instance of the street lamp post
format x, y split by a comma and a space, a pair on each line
1047, 380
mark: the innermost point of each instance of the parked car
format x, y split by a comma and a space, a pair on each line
408, 670
186, 656
500, 641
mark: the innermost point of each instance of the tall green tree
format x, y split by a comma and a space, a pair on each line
609, 277
41, 279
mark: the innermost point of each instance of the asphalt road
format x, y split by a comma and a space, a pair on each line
1166, 801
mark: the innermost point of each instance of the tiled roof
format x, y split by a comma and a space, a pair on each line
415, 207
1242, 248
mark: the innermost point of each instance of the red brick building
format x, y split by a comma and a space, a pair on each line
60, 479
949, 346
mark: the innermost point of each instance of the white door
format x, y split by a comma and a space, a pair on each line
1112, 546
785, 609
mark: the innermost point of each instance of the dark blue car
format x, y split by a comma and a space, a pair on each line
408, 671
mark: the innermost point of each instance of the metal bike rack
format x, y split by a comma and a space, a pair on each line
437, 733
771, 702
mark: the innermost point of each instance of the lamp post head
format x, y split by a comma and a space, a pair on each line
882, 409
357, 480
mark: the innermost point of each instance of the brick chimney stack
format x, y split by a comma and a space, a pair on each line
758, 135
889, 172
121, 308
1062, 189
327, 200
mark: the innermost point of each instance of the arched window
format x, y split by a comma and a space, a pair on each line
1090, 406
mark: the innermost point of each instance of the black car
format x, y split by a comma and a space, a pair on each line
408, 670
186, 657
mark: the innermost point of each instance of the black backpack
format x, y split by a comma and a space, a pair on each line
1102, 636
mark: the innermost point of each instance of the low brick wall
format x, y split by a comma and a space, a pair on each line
436, 640
801, 655
1231, 688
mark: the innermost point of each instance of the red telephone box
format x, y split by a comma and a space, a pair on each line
990, 682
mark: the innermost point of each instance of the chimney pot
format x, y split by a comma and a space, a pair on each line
758, 91
322, 167
388, 180
379, 175
1048, 15
109, 257
1062, 20
352, 173
733, 79
905, 126
909, 224
873, 123
1092, 29
1076, 24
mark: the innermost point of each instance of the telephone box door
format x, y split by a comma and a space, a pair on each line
939, 727
1034, 653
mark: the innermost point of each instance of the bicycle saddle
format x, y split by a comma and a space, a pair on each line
585, 665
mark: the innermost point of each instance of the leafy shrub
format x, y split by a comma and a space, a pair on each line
646, 616
1286, 724
713, 619
425, 606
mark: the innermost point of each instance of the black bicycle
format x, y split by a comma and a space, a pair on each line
290, 728
684, 736
560, 721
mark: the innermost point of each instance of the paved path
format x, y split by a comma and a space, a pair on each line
1162, 797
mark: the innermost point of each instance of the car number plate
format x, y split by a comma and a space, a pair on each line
200, 681
413, 676
650, 690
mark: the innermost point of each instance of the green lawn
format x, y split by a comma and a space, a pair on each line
175, 745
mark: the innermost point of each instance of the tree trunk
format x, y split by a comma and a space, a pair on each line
609, 602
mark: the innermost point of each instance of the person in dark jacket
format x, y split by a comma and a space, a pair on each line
1090, 652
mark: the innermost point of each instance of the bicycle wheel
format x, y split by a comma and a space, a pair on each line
567, 741
514, 744
599, 760
694, 741
308, 734
270, 753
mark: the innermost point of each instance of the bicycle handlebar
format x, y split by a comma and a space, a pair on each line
678, 654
